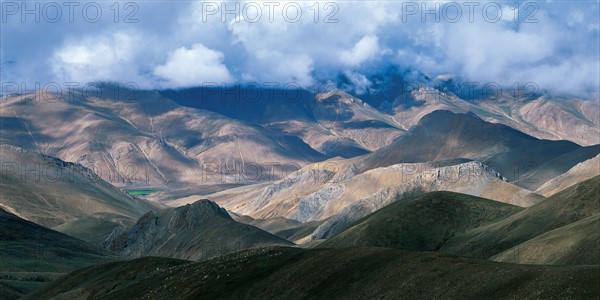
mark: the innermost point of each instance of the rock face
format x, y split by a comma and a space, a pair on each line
194, 231
472, 178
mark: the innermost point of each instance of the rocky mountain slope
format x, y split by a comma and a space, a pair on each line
521, 158
148, 140
195, 231
342, 197
535, 113
580, 172
51, 192
333, 122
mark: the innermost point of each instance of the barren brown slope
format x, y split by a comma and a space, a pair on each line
540, 115
149, 140
570, 205
580, 172
335, 123
445, 135
51, 192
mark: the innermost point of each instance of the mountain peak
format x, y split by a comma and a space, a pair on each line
196, 214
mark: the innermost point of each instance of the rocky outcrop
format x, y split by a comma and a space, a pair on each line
473, 178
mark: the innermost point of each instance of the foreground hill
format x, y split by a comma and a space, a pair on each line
194, 231
31, 254
566, 207
51, 192
422, 223
27, 246
575, 244
359, 273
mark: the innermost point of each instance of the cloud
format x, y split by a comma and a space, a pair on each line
359, 83
193, 66
363, 50
186, 47
110, 57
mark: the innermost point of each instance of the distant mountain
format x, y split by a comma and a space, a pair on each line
573, 204
446, 135
410, 96
217, 137
444, 152
421, 223
195, 231
149, 140
335, 123
351, 273
52, 192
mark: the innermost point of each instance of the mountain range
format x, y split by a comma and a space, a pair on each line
246, 192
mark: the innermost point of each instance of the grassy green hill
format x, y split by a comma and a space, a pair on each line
574, 244
568, 206
425, 222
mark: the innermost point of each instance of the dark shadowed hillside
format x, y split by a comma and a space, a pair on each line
359, 273
194, 231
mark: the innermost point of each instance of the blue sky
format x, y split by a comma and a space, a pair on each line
181, 44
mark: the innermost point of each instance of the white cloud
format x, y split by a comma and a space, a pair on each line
360, 83
193, 66
564, 43
363, 50
110, 57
